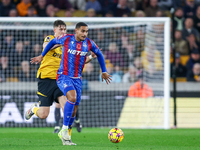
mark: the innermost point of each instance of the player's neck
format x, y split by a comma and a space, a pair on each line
77, 39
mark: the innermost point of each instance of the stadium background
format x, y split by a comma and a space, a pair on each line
110, 102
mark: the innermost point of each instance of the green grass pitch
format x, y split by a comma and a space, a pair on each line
97, 139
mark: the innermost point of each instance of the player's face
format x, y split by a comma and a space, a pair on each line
81, 33
60, 30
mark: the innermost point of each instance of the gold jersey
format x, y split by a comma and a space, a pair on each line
51, 62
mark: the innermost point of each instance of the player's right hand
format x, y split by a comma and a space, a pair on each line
106, 77
36, 60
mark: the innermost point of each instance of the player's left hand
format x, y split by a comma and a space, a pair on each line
106, 77
37, 59
93, 55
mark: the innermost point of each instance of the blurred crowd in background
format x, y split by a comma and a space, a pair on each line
126, 54
93, 8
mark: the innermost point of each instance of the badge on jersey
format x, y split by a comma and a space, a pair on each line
78, 46
48, 39
84, 44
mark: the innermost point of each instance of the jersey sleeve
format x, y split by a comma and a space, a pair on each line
57, 40
94, 47
49, 46
100, 57
48, 39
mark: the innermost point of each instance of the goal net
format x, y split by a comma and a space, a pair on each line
136, 52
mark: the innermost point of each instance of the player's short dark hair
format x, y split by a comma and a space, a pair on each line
78, 25
58, 23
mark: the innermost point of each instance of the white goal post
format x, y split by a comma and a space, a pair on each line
113, 29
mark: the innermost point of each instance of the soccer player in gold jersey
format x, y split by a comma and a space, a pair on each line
48, 91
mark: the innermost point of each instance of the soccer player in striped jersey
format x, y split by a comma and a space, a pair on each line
48, 91
75, 49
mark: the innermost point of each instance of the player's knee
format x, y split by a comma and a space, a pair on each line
43, 115
71, 96
72, 99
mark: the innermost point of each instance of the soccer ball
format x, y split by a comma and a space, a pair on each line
115, 135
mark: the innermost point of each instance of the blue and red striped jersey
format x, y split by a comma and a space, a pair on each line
74, 54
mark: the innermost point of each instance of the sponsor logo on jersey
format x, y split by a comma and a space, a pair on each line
57, 55
75, 52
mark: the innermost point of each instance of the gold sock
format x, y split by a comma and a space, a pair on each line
70, 131
35, 109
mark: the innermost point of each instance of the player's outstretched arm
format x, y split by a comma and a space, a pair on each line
106, 77
49, 46
101, 61
55, 46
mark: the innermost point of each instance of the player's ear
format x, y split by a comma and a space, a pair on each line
75, 30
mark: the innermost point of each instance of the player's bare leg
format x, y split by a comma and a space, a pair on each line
41, 112
62, 100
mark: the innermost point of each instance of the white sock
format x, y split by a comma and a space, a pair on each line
57, 127
64, 127
76, 121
